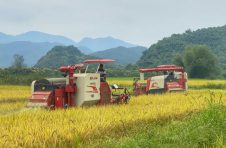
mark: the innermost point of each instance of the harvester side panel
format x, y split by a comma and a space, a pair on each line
88, 89
157, 82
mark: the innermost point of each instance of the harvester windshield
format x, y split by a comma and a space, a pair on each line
100, 62
100, 68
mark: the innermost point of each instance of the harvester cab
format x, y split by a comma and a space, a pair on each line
77, 88
168, 78
108, 94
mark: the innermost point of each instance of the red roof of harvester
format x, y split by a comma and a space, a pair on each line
169, 65
98, 61
173, 68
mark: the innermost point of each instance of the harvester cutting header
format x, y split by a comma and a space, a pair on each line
77, 88
169, 78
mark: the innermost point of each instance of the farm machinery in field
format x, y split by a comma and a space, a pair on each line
168, 78
77, 88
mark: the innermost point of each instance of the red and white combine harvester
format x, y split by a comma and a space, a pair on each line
168, 78
77, 88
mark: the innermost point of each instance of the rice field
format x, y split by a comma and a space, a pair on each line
13, 97
90, 127
191, 83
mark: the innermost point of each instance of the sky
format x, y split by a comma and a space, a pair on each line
142, 22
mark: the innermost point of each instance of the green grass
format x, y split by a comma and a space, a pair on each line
204, 129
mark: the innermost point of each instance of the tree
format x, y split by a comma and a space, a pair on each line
178, 60
188, 31
18, 61
199, 61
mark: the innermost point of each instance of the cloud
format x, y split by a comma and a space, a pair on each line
138, 21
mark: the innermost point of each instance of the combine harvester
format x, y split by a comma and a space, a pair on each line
76, 88
169, 78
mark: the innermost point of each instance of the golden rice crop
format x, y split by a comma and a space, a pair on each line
61, 128
122, 82
191, 82
204, 82
13, 97
11, 92
48, 128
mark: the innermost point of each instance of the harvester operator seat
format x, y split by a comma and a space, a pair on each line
102, 73
170, 77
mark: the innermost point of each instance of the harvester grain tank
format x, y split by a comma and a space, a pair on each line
168, 78
77, 88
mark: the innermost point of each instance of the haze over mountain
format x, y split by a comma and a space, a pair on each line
40, 37
99, 44
86, 45
164, 51
30, 51
122, 55
36, 37
34, 44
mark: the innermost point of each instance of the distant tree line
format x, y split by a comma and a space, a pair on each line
19, 74
198, 60
24, 76
201, 52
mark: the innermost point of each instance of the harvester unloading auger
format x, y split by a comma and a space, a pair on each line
76, 89
172, 78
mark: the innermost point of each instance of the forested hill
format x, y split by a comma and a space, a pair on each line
61, 55
164, 51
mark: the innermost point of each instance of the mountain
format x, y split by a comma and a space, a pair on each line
5, 38
61, 55
164, 51
99, 44
36, 37
122, 55
30, 51
33, 45
86, 45
85, 50
39, 37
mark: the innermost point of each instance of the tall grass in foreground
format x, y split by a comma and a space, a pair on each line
204, 129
